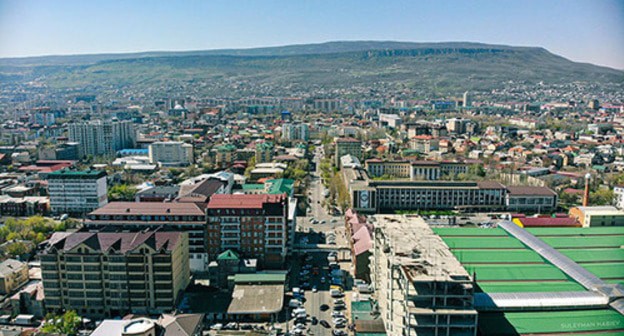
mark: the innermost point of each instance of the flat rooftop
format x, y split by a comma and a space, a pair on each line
422, 253
257, 299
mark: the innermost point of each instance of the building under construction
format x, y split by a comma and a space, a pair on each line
421, 287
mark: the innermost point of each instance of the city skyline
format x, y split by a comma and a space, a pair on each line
582, 31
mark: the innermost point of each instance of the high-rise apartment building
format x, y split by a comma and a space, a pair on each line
102, 137
77, 192
295, 131
171, 216
346, 146
422, 289
256, 226
467, 99
112, 274
171, 153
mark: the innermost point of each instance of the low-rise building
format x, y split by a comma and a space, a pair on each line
531, 199
114, 273
13, 274
590, 216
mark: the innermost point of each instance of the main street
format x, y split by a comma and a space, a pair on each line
311, 233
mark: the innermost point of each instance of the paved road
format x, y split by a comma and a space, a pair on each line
333, 224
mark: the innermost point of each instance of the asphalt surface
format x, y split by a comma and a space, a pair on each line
313, 301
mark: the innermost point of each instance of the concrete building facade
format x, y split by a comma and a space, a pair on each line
346, 146
421, 287
171, 153
77, 192
255, 226
111, 274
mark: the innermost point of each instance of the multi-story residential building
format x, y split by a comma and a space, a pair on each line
225, 155
256, 226
77, 192
13, 274
533, 199
171, 153
389, 120
264, 152
424, 143
422, 289
457, 125
102, 137
172, 216
295, 131
346, 146
112, 273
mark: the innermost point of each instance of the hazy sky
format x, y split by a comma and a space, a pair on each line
588, 31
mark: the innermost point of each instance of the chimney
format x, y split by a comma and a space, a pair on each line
586, 193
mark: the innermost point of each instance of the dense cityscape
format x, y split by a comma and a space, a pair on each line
344, 188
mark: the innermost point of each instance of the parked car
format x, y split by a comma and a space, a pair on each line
325, 324
217, 326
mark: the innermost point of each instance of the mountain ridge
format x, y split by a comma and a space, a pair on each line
437, 67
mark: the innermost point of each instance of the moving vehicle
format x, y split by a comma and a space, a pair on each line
325, 324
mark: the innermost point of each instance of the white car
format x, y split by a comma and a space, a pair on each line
217, 326
340, 320
337, 314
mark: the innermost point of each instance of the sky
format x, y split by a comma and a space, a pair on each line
581, 30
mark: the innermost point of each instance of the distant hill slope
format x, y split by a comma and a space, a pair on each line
442, 67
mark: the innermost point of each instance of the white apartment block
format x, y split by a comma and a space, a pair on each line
77, 192
172, 153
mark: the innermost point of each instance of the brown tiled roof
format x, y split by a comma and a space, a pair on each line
120, 241
490, 185
243, 201
149, 209
527, 190
205, 188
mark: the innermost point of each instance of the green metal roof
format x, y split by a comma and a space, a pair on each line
584, 242
498, 256
260, 277
228, 255
483, 243
595, 255
280, 186
253, 186
65, 173
590, 231
531, 286
469, 232
550, 322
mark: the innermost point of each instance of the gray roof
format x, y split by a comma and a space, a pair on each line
160, 190
257, 299
10, 266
